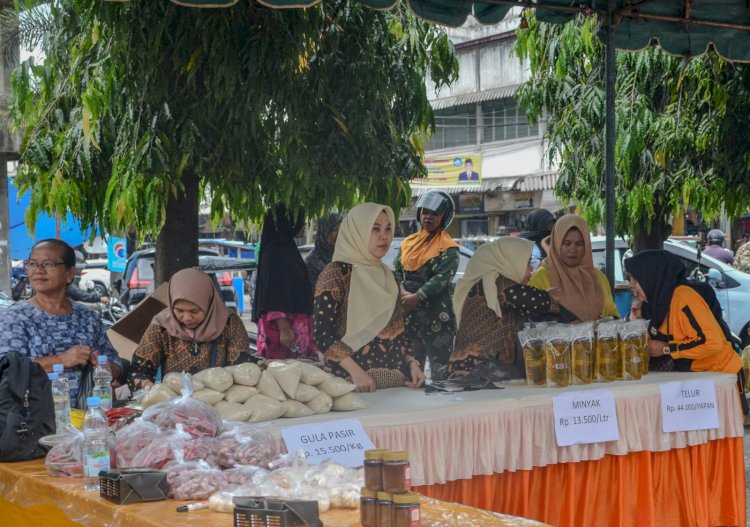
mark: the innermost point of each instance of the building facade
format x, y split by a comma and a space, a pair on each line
477, 119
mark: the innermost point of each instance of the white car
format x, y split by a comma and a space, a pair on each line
731, 285
95, 275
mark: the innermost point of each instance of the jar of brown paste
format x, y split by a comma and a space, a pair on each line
368, 512
385, 509
396, 471
374, 468
406, 512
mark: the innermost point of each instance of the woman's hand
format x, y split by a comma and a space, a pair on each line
363, 381
417, 376
635, 310
656, 348
410, 301
77, 355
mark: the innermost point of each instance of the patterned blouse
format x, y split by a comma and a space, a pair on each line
29, 331
159, 349
432, 326
386, 358
483, 336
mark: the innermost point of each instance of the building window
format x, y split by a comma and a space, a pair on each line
455, 126
504, 121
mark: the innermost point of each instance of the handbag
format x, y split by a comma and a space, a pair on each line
27, 412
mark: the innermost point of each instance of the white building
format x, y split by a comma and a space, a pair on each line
477, 118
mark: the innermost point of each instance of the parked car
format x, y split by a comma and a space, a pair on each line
390, 256
732, 286
138, 279
96, 273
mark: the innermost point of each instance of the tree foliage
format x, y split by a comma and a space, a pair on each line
682, 127
319, 108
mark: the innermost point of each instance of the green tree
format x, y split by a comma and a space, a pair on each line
140, 109
682, 128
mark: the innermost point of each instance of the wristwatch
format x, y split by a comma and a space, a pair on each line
665, 350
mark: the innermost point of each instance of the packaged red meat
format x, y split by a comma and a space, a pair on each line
132, 439
193, 480
245, 444
198, 418
66, 458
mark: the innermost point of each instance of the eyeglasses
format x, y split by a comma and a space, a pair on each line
47, 265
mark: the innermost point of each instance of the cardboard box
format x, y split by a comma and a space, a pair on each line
126, 333
133, 485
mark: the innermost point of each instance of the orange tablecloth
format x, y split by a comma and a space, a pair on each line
47, 501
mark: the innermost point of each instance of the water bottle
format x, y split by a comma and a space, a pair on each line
65, 390
103, 383
61, 400
95, 450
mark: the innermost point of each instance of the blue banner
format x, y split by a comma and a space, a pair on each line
117, 254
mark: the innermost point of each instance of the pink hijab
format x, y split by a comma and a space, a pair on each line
197, 287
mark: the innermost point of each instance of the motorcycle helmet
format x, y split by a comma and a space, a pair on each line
440, 203
715, 237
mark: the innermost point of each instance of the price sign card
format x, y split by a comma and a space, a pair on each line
689, 405
343, 441
585, 417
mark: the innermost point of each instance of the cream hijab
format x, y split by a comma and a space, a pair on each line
506, 256
373, 292
197, 287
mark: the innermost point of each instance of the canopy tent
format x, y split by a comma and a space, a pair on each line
681, 27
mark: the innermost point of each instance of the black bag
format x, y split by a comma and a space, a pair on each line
85, 387
27, 412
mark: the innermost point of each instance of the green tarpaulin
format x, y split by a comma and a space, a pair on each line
680, 27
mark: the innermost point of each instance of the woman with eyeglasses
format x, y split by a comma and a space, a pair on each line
50, 328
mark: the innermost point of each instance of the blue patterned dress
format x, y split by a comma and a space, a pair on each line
29, 331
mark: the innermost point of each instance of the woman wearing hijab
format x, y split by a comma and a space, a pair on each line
283, 302
538, 226
196, 331
686, 329
569, 267
425, 265
325, 241
359, 325
491, 301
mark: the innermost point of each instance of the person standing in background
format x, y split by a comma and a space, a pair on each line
325, 242
538, 226
714, 247
425, 266
283, 301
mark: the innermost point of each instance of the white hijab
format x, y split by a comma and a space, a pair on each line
505, 256
373, 292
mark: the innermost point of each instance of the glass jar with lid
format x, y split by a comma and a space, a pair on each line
396, 471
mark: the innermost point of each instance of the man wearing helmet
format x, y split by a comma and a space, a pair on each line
425, 265
714, 242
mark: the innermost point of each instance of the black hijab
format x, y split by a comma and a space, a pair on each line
281, 282
659, 273
322, 254
537, 227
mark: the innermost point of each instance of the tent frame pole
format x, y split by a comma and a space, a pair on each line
609, 147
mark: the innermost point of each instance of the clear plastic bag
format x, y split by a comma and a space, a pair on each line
633, 341
197, 418
582, 346
66, 458
534, 360
558, 356
245, 444
246, 475
132, 440
609, 359
193, 480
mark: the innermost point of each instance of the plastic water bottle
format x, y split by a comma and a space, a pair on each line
61, 400
103, 382
95, 450
65, 390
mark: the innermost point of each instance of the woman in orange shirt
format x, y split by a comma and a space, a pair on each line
687, 332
